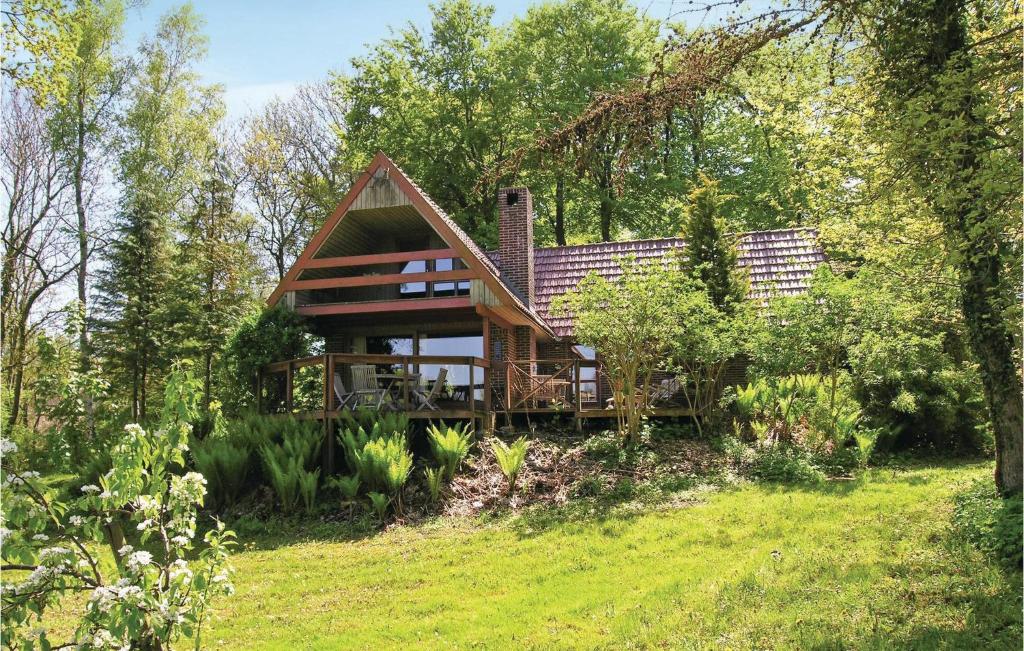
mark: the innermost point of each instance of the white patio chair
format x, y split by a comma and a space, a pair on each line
343, 395
428, 400
365, 385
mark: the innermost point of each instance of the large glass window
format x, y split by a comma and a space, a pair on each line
458, 374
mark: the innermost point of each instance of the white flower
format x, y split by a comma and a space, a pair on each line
124, 551
54, 555
4, 533
145, 524
41, 537
180, 541
138, 560
90, 488
145, 502
7, 446
76, 520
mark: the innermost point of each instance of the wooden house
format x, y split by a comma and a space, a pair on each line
416, 317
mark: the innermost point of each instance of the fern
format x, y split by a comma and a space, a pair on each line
307, 482
450, 446
380, 503
433, 477
225, 465
510, 459
347, 486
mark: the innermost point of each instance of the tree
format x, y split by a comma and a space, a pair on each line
943, 92
296, 170
437, 103
37, 257
710, 255
83, 126
630, 323
152, 596
558, 58
217, 271
40, 37
166, 133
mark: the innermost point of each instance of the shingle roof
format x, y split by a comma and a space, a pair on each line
780, 262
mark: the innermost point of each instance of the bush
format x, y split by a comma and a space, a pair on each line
225, 464
274, 334
993, 524
510, 459
384, 464
450, 446
784, 463
288, 466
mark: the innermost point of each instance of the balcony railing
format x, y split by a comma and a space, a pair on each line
423, 385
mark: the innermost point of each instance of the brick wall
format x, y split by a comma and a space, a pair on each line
515, 239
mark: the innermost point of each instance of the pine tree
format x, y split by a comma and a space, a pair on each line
133, 297
166, 132
216, 267
711, 253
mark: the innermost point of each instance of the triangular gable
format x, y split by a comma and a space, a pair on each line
444, 226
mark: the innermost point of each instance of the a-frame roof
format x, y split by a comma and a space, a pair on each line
443, 225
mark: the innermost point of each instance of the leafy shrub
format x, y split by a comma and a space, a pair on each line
271, 335
287, 466
225, 464
783, 463
380, 503
450, 446
510, 459
384, 464
993, 524
434, 478
347, 486
370, 419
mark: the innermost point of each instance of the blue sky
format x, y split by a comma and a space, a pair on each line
259, 49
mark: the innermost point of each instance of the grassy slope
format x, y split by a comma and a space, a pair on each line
865, 564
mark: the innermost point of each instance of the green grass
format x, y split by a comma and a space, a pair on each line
865, 564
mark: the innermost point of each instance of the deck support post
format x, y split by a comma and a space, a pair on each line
288, 386
328, 424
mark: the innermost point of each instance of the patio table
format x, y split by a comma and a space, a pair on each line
397, 381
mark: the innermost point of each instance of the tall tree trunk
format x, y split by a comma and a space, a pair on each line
977, 234
560, 211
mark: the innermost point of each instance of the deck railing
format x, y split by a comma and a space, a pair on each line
579, 385
326, 384
323, 385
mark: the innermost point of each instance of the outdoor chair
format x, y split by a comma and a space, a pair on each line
343, 395
429, 400
665, 390
366, 386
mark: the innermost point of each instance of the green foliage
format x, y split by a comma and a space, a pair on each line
510, 459
783, 463
141, 494
288, 466
991, 523
384, 464
368, 418
450, 446
348, 486
435, 479
630, 323
270, 335
710, 254
380, 503
225, 465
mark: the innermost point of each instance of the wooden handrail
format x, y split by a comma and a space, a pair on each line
358, 358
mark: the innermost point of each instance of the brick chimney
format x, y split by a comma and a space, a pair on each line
515, 239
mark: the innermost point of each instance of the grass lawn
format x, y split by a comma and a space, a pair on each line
862, 564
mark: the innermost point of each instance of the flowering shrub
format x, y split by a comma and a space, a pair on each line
154, 595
